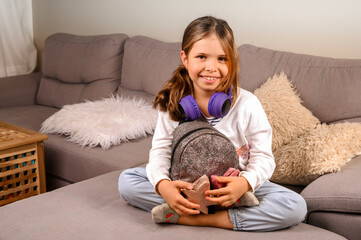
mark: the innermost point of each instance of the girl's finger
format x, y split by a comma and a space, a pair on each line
222, 179
226, 204
188, 204
188, 208
217, 192
218, 200
189, 211
223, 201
181, 184
184, 206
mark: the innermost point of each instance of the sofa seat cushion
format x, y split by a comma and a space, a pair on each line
70, 162
73, 163
326, 85
78, 68
345, 224
93, 209
30, 116
336, 192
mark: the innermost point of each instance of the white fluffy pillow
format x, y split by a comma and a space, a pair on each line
105, 122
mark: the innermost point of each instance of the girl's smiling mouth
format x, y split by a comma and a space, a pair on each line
209, 79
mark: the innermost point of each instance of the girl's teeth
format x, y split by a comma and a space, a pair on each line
210, 78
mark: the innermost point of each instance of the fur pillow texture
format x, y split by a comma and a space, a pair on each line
282, 104
304, 149
104, 122
322, 150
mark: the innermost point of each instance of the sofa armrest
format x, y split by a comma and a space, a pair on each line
336, 192
19, 90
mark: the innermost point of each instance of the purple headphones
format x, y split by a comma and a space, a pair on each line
218, 105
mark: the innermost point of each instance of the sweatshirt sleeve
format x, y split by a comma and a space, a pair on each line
258, 133
160, 153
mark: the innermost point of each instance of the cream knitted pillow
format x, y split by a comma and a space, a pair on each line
288, 118
322, 150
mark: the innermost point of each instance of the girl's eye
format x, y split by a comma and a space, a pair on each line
222, 59
201, 57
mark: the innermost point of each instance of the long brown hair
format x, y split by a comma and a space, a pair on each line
180, 84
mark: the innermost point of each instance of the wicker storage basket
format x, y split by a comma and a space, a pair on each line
22, 172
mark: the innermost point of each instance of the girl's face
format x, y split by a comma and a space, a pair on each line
206, 63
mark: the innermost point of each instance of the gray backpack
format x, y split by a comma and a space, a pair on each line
199, 149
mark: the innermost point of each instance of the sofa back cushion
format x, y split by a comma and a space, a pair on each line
148, 64
330, 88
78, 68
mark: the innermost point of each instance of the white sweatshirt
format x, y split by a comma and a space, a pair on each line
246, 125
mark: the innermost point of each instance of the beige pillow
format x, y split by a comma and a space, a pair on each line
288, 118
323, 150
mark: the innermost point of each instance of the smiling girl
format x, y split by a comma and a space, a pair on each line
210, 66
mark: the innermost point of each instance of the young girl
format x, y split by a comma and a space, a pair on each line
210, 65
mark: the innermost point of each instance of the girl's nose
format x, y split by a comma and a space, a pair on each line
211, 66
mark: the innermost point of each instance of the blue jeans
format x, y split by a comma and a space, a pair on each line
279, 207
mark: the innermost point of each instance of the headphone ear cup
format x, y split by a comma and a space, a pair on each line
190, 108
219, 104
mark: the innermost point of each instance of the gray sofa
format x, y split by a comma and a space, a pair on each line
83, 202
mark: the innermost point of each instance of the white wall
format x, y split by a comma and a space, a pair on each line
319, 27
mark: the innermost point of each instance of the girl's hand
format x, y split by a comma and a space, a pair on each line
171, 193
226, 196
